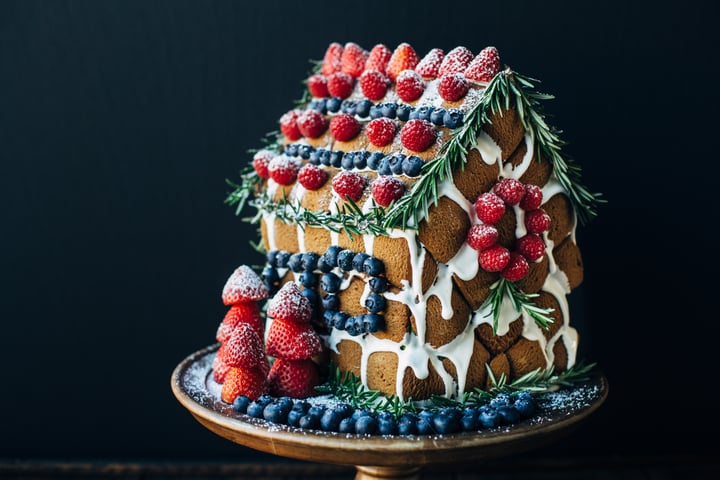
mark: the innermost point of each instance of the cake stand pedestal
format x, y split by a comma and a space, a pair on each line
375, 457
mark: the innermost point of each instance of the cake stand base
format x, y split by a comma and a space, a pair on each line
396, 473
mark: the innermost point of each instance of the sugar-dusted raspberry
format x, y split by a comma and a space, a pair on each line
489, 207
289, 126
378, 58
344, 127
381, 131
352, 60
261, 160
340, 84
485, 66
456, 61
312, 176
531, 246
429, 66
494, 259
386, 189
373, 84
453, 87
317, 85
510, 190
537, 221
417, 135
532, 198
409, 85
482, 236
516, 269
349, 185
312, 123
283, 169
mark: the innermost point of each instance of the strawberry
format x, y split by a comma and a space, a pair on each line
417, 135
532, 198
293, 378
373, 84
317, 86
244, 285
453, 87
429, 66
386, 189
244, 348
219, 367
482, 236
349, 185
288, 125
530, 246
312, 124
516, 269
485, 66
290, 304
344, 127
456, 61
537, 221
245, 312
352, 60
403, 57
332, 62
249, 382
312, 177
291, 340
489, 207
494, 259
261, 159
510, 190
340, 85
409, 86
381, 131
378, 58
283, 169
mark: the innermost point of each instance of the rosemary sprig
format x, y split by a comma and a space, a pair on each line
520, 300
250, 184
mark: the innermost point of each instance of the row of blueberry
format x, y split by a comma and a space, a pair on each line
441, 117
503, 409
356, 324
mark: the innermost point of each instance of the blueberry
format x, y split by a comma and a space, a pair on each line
407, 427
350, 326
301, 406
508, 413
424, 113
347, 161
328, 317
276, 412
344, 409
345, 259
309, 261
376, 111
437, 116
311, 295
315, 156
501, 399
470, 423
425, 414
366, 425
373, 266
336, 158
348, 106
489, 417
424, 427
294, 417
387, 426
330, 420
358, 260
375, 303
282, 258
347, 425
360, 412
255, 409
264, 399
373, 160
305, 151
388, 109
324, 265
403, 112
333, 104
292, 149
384, 166
362, 109
286, 402
295, 262
240, 404
396, 163
325, 158
308, 279
330, 282
270, 275
340, 320
271, 258
330, 302
372, 322
412, 165
525, 404
318, 104
309, 421
453, 118
445, 423
378, 284
360, 159
331, 254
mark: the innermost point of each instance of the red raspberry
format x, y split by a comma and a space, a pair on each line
495, 258
537, 221
516, 269
340, 84
261, 159
378, 58
349, 185
410, 85
531, 246
417, 135
403, 57
344, 127
386, 189
510, 190
485, 66
283, 169
312, 123
293, 378
311, 176
292, 341
482, 236
489, 207
373, 84
352, 60
290, 304
456, 61
380, 131
533, 197
429, 66
453, 87
289, 126
317, 85
332, 60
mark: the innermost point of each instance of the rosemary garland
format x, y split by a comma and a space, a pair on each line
520, 300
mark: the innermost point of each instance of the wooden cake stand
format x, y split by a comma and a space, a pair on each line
375, 457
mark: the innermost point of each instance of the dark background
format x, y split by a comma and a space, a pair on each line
121, 120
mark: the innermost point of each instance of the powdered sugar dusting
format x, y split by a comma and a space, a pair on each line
244, 285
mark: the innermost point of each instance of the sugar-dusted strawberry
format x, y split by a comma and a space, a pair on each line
290, 304
489, 207
386, 189
381, 131
219, 367
453, 86
516, 269
533, 197
374, 84
332, 61
481, 236
293, 378
456, 61
352, 60
344, 127
417, 135
244, 285
510, 190
494, 259
245, 312
261, 159
537, 221
349, 185
289, 126
283, 169
531, 246
312, 124
317, 85
429, 66
312, 176
409, 85
291, 340
244, 348
378, 58
340, 84
403, 57
485, 66
249, 382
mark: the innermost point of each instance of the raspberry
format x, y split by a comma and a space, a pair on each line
332, 60
261, 159
380, 131
311, 176
429, 66
288, 125
312, 123
283, 169
531, 246
386, 189
352, 60
373, 84
344, 127
290, 304
482, 236
453, 87
417, 135
244, 285
533, 197
239, 381
340, 84
403, 57
495, 258
293, 378
489, 207
244, 348
378, 58
510, 190
349, 185
516, 269
537, 221
410, 85
292, 341
317, 85
456, 61
485, 66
